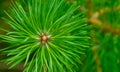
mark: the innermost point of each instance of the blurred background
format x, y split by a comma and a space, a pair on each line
104, 21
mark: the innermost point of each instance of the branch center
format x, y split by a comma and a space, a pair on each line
44, 38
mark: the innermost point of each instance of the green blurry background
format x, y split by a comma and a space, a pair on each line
104, 21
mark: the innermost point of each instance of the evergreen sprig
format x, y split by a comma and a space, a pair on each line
48, 35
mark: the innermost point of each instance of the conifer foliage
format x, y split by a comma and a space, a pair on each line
47, 35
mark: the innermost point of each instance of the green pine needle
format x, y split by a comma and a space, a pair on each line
48, 35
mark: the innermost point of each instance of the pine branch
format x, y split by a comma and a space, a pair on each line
97, 61
49, 36
105, 26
